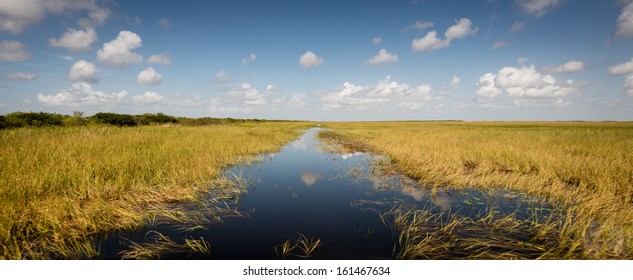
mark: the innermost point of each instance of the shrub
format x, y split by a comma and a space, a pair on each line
20, 119
114, 119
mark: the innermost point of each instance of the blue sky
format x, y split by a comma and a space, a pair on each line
321, 60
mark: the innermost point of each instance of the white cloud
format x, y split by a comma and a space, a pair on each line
625, 68
429, 42
119, 52
16, 16
625, 21
537, 8
486, 86
387, 94
571, 66
249, 59
162, 58
419, 25
296, 101
540, 103
21, 76
522, 60
628, 85
242, 99
454, 85
151, 97
383, 57
310, 59
622, 68
500, 44
13, 51
247, 95
221, 77
524, 82
83, 71
149, 77
462, 28
376, 40
96, 17
75, 40
517, 26
81, 94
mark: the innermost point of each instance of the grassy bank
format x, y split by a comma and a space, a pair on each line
585, 167
61, 185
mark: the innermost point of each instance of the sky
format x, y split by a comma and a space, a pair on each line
320, 60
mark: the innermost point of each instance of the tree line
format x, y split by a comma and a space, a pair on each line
40, 119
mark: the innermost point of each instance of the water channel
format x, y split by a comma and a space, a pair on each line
305, 193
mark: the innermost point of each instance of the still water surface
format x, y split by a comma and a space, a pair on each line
334, 198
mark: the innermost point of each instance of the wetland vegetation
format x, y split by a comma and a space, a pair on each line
60, 186
585, 168
428, 190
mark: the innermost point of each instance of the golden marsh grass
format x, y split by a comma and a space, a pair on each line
61, 186
584, 167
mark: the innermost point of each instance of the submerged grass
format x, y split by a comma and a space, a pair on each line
59, 187
585, 168
301, 247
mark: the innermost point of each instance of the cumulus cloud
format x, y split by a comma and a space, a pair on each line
376, 40
383, 57
537, 8
523, 82
13, 51
149, 77
16, 16
462, 28
625, 68
622, 68
247, 99
454, 85
83, 71
296, 101
162, 58
248, 95
419, 25
151, 97
310, 59
625, 21
252, 57
386, 93
81, 94
486, 86
500, 44
119, 52
19, 76
75, 40
242, 99
572, 66
221, 77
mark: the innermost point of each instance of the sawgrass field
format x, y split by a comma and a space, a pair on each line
61, 186
585, 168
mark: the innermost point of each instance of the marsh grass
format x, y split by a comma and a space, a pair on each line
159, 245
302, 247
60, 187
584, 168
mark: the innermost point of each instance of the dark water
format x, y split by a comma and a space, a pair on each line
330, 197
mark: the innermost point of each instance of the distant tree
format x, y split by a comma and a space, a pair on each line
115, 119
20, 119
